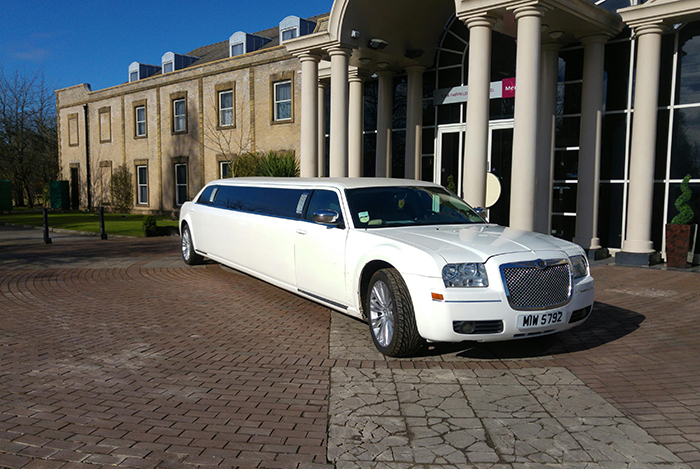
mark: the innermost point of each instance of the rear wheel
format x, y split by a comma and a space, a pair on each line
392, 322
188, 254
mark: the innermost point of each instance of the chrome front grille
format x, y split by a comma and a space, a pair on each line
538, 284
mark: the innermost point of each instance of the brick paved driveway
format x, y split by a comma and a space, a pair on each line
115, 353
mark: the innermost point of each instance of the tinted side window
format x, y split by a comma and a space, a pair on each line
207, 196
263, 200
322, 200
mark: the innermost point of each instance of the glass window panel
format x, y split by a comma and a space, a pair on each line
564, 197
370, 111
502, 62
398, 119
610, 214
181, 195
613, 5
322, 200
661, 144
666, 71
428, 84
449, 114
448, 58
168, 67
226, 108
428, 112
284, 91
427, 168
502, 108
133, 76
284, 111
563, 227
688, 87
452, 42
143, 195
181, 174
428, 141
449, 77
573, 64
237, 49
398, 153
612, 151
265, 201
657, 216
225, 169
289, 34
370, 152
565, 165
567, 131
617, 66
685, 149
570, 99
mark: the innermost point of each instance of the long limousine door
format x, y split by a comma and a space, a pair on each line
319, 253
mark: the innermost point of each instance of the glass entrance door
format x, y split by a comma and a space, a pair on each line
450, 151
500, 164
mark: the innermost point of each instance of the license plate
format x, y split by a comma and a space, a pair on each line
526, 321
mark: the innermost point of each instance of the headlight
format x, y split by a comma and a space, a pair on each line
580, 266
465, 275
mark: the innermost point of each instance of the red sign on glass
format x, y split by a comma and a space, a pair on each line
509, 87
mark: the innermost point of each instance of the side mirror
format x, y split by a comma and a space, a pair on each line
327, 217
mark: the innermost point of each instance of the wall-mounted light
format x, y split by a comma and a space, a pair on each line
377, 44
355, 34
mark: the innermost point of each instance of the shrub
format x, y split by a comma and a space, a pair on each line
149, 226
685, 213
122, 190
245, 165
279, 165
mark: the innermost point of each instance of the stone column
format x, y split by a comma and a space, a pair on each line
637, 248
355, 126
322, 86
385, 111
589, 143
476, 147
549, 69
414, 122
527, 72
339, 111
309, 115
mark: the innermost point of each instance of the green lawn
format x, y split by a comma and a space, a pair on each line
115, 224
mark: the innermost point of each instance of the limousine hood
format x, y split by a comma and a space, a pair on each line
474, 243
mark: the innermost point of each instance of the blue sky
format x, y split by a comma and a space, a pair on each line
94, 42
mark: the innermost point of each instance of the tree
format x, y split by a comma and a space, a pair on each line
122, 190
28, 134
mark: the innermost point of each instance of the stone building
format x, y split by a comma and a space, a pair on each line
592, 146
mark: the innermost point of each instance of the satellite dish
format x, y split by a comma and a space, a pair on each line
493, 189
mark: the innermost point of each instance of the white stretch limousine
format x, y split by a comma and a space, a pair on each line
411, 258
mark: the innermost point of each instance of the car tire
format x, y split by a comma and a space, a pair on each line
189, 256
389, 309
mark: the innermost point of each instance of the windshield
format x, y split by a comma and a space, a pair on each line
375, 207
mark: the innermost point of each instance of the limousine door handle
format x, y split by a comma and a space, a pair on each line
301, 231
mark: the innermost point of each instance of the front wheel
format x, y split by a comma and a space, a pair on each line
188, 254
392, 322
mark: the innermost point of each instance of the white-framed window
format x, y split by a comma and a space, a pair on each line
142, 185
225, 170
179, 115
140, 114
283, 100
290, 33
226, 108
167, 67
180, 184
134, 76
237, 49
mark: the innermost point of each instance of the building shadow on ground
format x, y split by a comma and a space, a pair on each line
606, 324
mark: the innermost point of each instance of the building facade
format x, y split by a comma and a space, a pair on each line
592, 146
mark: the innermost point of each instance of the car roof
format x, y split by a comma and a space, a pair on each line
341, 183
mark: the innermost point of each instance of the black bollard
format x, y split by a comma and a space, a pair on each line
47, 240
103, 233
